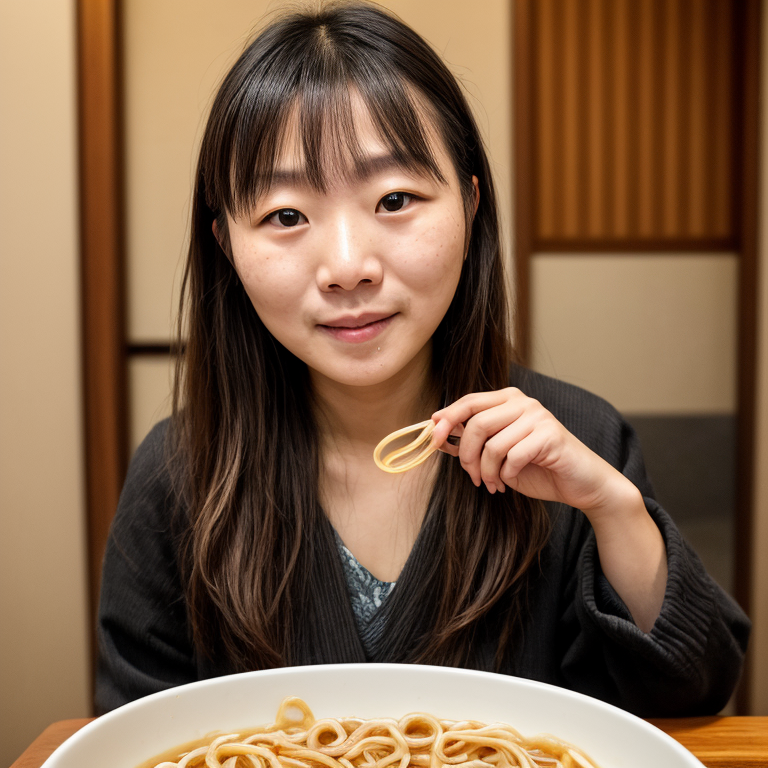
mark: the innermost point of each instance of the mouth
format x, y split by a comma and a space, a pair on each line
357, 321
357, 329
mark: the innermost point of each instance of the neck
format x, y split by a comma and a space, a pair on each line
355, 418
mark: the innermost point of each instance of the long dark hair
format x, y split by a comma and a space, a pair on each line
243, 428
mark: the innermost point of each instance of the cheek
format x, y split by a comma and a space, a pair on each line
433, 259
273, 284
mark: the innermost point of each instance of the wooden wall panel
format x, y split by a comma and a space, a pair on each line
101, 232
633, 139
665, 124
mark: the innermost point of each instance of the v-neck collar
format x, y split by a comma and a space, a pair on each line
328, 632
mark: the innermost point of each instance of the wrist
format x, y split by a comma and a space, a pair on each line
620, 502
632, 552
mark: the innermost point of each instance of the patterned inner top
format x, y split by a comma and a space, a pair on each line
367, 594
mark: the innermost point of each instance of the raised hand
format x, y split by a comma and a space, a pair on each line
510, 440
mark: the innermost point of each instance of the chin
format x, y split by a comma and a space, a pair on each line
369, 373
370, 378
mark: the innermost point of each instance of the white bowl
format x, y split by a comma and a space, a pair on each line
142, 729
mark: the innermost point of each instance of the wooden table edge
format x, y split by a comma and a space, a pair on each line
721, 742
47, 742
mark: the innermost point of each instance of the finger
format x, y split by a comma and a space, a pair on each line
497, 447
466, 407
449, 418
443, 428
452, 441
488, 413
526, 452
484, 424
481, 428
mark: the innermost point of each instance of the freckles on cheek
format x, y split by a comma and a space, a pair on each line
441, 250
268, 281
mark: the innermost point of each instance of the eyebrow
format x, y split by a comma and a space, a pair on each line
363, 170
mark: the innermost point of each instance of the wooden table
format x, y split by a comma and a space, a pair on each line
719, 742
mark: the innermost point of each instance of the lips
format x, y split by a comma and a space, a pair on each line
355, 329
357, 321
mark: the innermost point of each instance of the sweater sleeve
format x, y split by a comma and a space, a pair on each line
687, 665
143, 639
690, 662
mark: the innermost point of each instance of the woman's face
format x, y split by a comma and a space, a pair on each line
354, 281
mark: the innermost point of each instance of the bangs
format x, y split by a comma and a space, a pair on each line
305, 99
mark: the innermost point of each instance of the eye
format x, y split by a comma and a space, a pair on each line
285, 218
396, 201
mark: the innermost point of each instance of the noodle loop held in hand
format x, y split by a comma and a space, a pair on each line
404, 457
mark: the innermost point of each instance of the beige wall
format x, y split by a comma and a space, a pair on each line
651, 333
43, 631
149, 382
760, 535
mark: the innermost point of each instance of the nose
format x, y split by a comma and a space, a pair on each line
348, 256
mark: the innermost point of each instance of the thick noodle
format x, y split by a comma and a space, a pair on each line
409, 455
297, 740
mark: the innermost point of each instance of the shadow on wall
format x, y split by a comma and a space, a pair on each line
691, 463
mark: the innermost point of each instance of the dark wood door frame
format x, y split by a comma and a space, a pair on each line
749, 265
747, 44
102, 273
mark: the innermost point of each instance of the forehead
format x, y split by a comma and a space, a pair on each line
352, 149
291, 172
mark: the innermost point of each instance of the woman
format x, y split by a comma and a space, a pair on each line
344, 280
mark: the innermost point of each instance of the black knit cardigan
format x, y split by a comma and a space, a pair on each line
578, 634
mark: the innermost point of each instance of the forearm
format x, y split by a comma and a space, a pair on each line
632, 553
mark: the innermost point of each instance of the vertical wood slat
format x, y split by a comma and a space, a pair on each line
619, 101
582, 60
595, 129
609, 128
647, 64
724, 108
635, 135
682, 51
695, 223
659, 76
671, 122
558, 113
570, 133
525, 145
101, 227
543, 103
717, 41
634, 116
